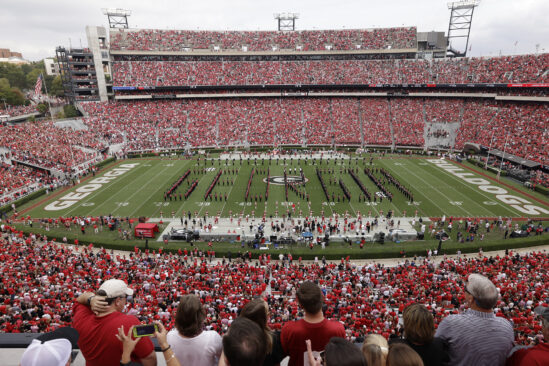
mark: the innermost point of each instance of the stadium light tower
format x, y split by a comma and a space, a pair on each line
118, 18
461, 17
286, 21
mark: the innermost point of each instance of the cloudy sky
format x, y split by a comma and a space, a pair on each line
36, 27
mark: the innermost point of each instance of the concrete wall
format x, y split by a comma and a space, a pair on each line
94, 34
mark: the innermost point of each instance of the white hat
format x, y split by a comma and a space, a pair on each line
51, 349
56, 352
116, 288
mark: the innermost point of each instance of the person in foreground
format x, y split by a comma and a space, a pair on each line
128, 346
313, 326
52, 349
400, 354
189, 335
537, 355
97, 318
244, 345
257, 311
477, 336
338, 352
419, 331
375, 350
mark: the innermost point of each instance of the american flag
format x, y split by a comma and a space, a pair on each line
38, 86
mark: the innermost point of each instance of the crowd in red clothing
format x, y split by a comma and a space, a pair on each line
306, 40
18, 179
321, 121
40, 282
503, 69
17, 110
44, 145
518, 129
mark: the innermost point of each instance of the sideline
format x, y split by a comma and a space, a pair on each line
388, 262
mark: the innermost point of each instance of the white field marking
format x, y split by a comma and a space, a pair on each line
459, 203
440, 208
185, 166
229, 194
181, 208
471, 188
140, 189
106, 186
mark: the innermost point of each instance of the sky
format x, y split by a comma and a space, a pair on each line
36, 27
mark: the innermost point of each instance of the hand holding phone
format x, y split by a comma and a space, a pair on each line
145, 330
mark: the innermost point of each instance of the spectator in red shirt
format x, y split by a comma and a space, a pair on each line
539, 354
313, 326
97, 319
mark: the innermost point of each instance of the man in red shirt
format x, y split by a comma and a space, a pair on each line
98, 328
539, 354
313, 326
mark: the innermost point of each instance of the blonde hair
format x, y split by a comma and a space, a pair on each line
375, 350
400, 354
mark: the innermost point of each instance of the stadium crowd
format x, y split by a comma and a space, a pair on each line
14, 111
19, 180
307, 40
503, 69
45, 145
319, 120
41, 279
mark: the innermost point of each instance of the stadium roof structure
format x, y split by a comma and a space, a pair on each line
515, 159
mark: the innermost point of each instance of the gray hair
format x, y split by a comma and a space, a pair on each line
483, 291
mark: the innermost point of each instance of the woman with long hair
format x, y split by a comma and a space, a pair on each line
189, 335
257, 310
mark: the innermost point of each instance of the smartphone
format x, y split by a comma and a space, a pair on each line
145, 330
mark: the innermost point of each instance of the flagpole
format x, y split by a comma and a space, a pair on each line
47, 96
503, 156
488, 156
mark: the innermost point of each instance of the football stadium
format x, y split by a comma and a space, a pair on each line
365, 196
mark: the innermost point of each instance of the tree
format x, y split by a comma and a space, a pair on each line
14, 74
32, 76
57, 87
42, 108
70, 111
12, 96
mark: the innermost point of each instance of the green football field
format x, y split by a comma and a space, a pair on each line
136, 187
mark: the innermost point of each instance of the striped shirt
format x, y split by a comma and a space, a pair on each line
476, 338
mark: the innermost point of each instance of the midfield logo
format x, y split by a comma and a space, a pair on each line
280, 179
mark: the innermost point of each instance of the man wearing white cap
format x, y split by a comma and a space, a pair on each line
51, 349
97, 318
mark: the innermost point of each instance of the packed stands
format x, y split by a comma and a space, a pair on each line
41, 282
229, 122
321, 40
44, 145
19, 179
503, 69
20, 110
522, 125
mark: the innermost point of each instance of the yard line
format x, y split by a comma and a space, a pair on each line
230, 190
432, 187
142, 187
183, 167
195, 191
479, 192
